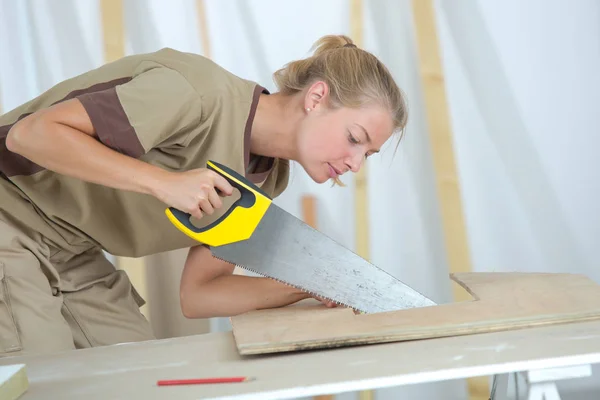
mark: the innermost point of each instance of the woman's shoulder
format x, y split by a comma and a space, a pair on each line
205, 75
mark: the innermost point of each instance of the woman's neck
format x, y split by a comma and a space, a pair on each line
273, 130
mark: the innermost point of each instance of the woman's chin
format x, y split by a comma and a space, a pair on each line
317, 176
320, 179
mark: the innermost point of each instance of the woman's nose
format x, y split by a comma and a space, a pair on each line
354, 163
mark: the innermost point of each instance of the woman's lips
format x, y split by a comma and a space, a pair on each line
332, 172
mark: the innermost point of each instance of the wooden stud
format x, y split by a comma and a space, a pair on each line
203, 28
361, 205
360, 178
309, 210
113, 28
447, 183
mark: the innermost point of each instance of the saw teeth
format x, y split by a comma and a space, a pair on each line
291, 285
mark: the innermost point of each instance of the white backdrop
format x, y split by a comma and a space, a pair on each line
523, 89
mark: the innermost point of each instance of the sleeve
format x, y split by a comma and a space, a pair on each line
154, 109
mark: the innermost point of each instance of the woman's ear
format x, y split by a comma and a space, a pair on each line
316, 95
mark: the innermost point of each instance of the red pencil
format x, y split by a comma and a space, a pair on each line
199, 381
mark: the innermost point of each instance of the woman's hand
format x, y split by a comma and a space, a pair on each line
210, 289
328, 303
194, 191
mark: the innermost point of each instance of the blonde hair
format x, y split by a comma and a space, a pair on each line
355, 77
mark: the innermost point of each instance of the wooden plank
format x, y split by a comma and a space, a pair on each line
501, 301
447, 182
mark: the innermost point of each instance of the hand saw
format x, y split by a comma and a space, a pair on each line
259, 236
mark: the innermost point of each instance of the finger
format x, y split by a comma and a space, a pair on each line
214, 199
223, 185
196, 213
206, 206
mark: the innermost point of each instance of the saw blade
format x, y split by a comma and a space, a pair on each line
290, 284
284, 248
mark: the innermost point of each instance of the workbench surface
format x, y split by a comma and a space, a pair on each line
130, 371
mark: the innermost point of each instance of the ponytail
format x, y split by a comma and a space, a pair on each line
355, 77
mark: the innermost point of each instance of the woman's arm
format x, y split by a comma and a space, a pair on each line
62, 138
209, 289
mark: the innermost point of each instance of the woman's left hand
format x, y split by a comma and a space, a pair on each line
328, 303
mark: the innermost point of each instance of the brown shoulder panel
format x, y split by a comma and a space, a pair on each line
100, 102
111, 123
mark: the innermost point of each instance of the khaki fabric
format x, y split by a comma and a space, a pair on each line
171, 109
38, 316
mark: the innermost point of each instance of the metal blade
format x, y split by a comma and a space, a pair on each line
286, 249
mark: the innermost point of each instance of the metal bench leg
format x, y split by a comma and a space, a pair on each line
540, 383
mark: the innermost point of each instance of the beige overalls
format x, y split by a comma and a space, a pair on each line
171, 109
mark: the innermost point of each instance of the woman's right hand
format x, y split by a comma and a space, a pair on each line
193, 191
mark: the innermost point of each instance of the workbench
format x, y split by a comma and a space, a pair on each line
130, 371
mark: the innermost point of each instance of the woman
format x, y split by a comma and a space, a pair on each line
91, 164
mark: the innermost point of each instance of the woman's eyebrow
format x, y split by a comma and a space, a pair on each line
365, 131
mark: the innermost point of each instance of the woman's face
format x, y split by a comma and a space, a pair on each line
334, 141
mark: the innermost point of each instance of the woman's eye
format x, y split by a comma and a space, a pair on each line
352, 139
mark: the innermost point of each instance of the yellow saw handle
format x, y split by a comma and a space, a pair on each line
237, 223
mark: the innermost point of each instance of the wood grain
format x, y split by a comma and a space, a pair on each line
501, 301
